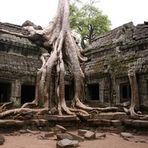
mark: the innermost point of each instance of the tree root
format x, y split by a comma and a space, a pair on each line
30, 105
5, 106
80, 105
19, 111
106, 109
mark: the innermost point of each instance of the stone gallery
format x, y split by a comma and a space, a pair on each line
51, 88
110, 57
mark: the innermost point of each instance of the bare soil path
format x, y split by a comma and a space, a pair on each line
111, 141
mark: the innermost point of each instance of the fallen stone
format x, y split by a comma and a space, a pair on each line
66, 143
23, 131
2, 140
5, 123
90, 135
61, 128
82, 132
32, 132
126, 135
76, 137
41, 137
100, 136
140, 123
64, 136
49, 134
141, 141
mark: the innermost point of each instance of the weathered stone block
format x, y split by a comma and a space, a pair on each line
126, 135
66, 143
82, 132
2, 140
49, 134
64, 136
90, 135
100, 136
61, 128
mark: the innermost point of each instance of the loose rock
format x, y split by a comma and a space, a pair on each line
64, 136
61, 128
82, 132
76, 137
100, 136
66, 143
126, 135
90, 135
49, 134
2, 140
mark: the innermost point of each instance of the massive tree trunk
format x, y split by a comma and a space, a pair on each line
135, 102
63, 50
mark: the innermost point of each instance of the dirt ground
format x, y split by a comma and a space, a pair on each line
28, 140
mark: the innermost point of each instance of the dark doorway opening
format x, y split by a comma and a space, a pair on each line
125, 92
27, 93
5, 92
93, 91
69, 94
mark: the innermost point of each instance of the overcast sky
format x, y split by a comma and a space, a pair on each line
41, 11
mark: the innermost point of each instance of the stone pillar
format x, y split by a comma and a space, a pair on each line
117, 100
16, 92
101, 91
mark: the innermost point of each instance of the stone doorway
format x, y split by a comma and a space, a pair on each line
93, 91
125, 92
5, 92
69, 93
27, 93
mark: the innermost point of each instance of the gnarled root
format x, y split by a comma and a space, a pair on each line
5, 106
133, 113
19, 111
30, 105
106, 109
80, 105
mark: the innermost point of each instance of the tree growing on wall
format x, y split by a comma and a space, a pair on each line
62, 51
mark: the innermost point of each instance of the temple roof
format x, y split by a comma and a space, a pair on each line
18, 55
19, 41
126, 34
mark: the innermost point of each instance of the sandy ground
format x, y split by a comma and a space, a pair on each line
111, 141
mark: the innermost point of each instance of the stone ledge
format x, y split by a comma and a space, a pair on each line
136, 123
63, 118
4, 123
112, 116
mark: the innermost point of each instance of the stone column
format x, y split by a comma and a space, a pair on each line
16, 92
101, 91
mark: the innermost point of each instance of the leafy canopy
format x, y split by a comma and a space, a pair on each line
88, 21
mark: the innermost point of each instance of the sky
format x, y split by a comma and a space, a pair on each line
42, 11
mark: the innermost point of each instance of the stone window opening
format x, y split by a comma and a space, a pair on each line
69, 93
93, 91
125, 92
5, 91
27, 93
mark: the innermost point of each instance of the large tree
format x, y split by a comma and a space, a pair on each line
62, 51
88, 21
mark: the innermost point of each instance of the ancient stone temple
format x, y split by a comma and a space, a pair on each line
18, 66
111, 56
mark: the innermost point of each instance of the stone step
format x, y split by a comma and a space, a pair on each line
112, 116
136, 123
9, 122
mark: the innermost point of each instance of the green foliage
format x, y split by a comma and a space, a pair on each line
88, 21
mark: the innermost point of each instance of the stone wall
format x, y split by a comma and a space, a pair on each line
112, 54
19, 61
